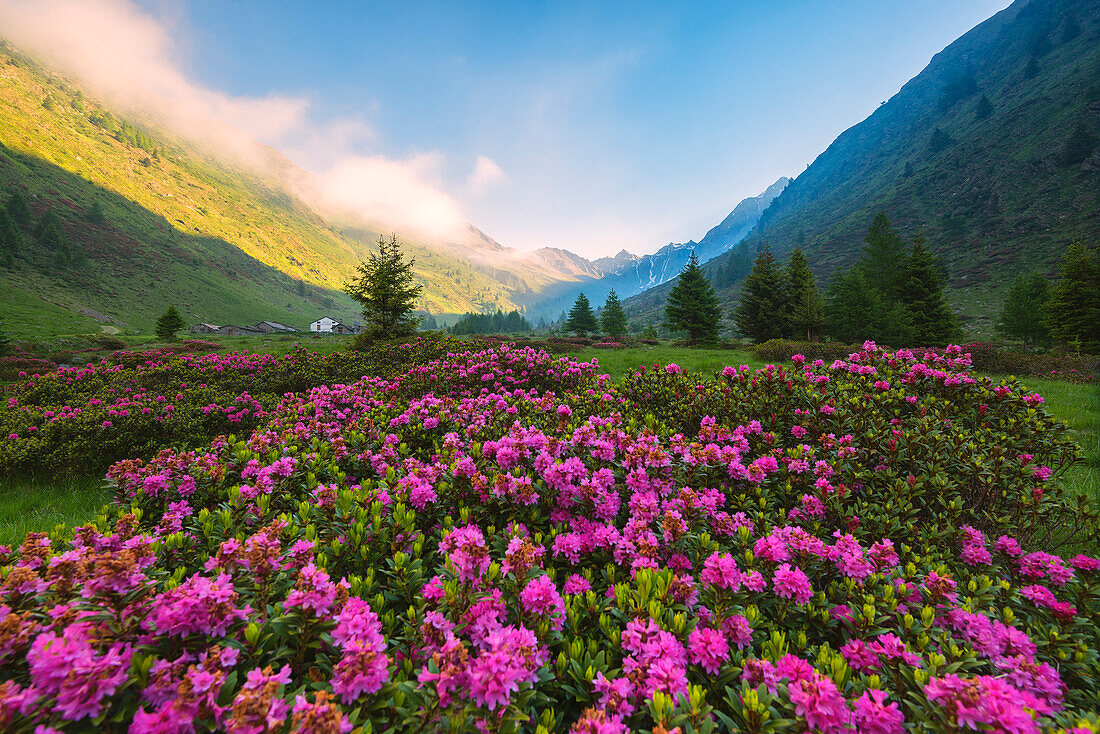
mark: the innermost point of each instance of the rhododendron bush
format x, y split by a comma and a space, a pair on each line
501, 541
132, 404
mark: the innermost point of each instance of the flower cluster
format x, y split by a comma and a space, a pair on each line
498, 540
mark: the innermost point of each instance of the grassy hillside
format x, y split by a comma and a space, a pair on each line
971, 152
222, 242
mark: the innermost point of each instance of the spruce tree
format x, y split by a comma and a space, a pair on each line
95, 213
805, 317
18, 209
613, 318
761, 312
581, 320
939, 141
1025, 301
50, 235
883, 253
983, 109
1079, 146
693, 305
385, 287
11, 239
1073, 311
169, 323
853, 307
929, 314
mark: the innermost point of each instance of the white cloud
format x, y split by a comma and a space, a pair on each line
130, 58
486, 173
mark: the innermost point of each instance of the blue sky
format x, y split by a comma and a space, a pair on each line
614, 124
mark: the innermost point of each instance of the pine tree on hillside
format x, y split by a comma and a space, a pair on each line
853, 307
50, 235
761, 313
929, 314
18, 209
693, 305
883, 253
1082, 141
95, 213
581, 320
983, 109
169, 323
804, 311
613, 318
1073, 311
11, 239
385, 286
1019, 319
939, 141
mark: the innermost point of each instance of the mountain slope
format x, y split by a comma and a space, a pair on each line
162, 195
971, 152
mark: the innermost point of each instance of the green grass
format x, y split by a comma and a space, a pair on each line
38, 505
619, 362
1078, 406
32, 317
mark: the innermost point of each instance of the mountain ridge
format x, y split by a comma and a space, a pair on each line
984, 182
51, 119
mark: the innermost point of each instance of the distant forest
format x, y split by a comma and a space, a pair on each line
492, 323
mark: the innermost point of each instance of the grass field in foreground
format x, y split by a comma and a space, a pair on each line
39, 504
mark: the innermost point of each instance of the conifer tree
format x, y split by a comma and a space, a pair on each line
1020, 316
1073, 311
169, 323
95, 213
693, 305
581, 320
761, 313
804, 311
11, 239
18, 209
853, 307
883, 253
1079, 146
983, 109
384, 285
929, 314
50, 235
613, 318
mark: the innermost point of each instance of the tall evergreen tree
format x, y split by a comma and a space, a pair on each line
95, 213
169, 323
1073, 311
853, 307
581, 320
883, 253
693, 305
50, 235
11, 239
1020, 316
761, 313
18, 209
983, 109
613, 318
929, 314
1082, 141
805, 317
385, 287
